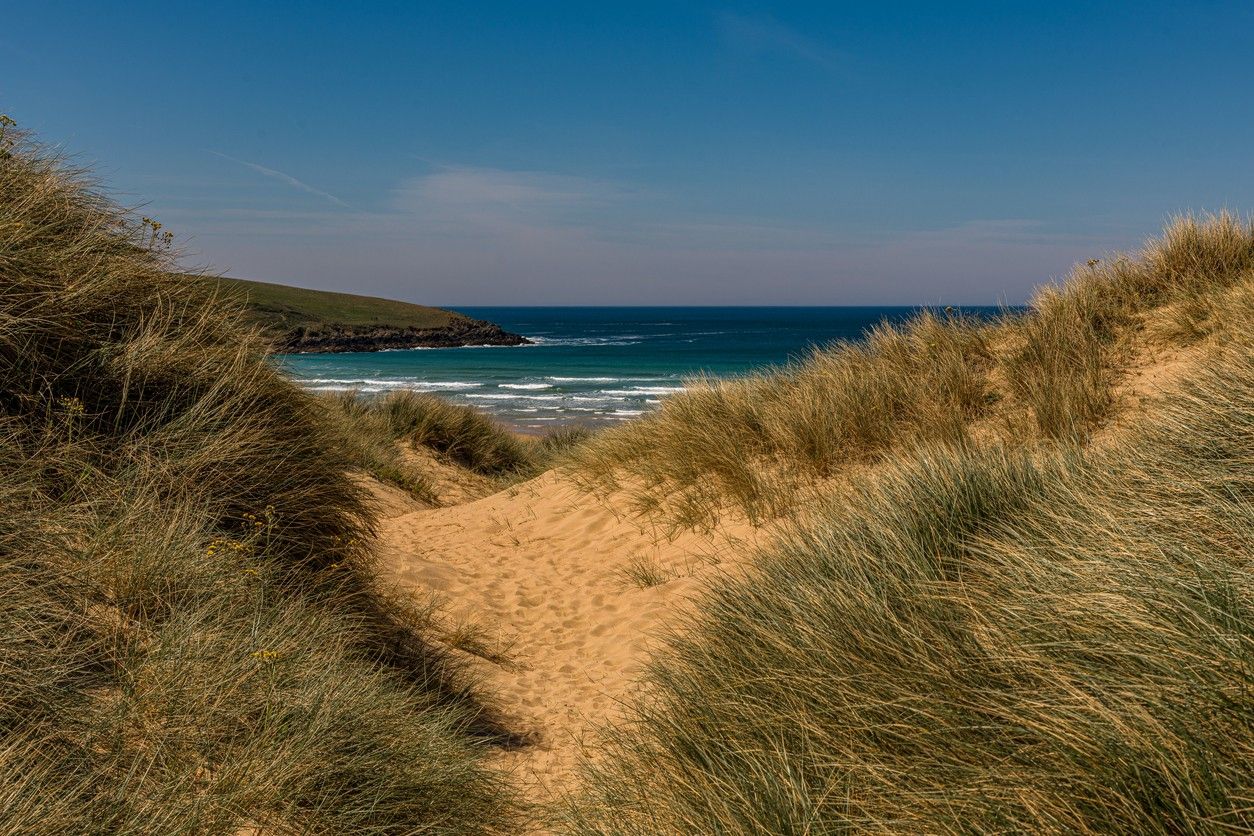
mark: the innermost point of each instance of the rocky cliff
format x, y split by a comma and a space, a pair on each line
330, 338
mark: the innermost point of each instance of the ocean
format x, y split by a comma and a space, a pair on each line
594, 365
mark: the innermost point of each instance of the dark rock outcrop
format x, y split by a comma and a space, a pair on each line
333, 338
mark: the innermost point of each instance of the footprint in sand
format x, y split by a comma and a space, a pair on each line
580, 632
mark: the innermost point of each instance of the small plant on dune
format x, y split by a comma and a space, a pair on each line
645, 572
6, 143
70, 414
472, 638
153, 237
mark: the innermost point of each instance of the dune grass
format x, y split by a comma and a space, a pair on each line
370, 442
461, 434
372, 427
752, 442
192, 636
977, 640
560, 443
756, 444
1072, 349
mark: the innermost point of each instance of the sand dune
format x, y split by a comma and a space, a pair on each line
543, 570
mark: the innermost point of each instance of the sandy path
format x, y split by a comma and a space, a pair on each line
540, 569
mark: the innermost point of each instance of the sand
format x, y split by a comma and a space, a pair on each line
558, 601
541, 570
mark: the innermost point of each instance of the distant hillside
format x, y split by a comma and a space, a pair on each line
299, 319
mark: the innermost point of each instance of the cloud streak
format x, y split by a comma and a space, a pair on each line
462, 234
284, 178
462, 194
766, 34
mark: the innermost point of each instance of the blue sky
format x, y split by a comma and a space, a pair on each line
647, 153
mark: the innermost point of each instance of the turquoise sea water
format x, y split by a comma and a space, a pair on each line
594, 365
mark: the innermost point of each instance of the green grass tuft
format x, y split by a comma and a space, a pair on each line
645, 572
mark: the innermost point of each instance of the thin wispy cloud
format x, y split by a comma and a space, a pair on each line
759, 34
284, 178
503, 189
489, 201
490, 206
461, 233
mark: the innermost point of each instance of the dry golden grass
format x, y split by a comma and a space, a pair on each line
978, 640
371, 429
191, 639
760, 443
754, 442
992, 627
987, 625
1073, 346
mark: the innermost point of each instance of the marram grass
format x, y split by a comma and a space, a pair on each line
979, 633
976, 641
371, 428
757, 445
191, 637
989, 624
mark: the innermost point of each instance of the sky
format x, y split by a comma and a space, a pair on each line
547, 153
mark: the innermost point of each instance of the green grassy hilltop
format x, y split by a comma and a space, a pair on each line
300, 319
282, 307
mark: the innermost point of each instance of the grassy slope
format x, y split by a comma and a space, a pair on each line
372, 430
978, 642
996, 630
984, 627
759, 445
279, 307
191, 634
